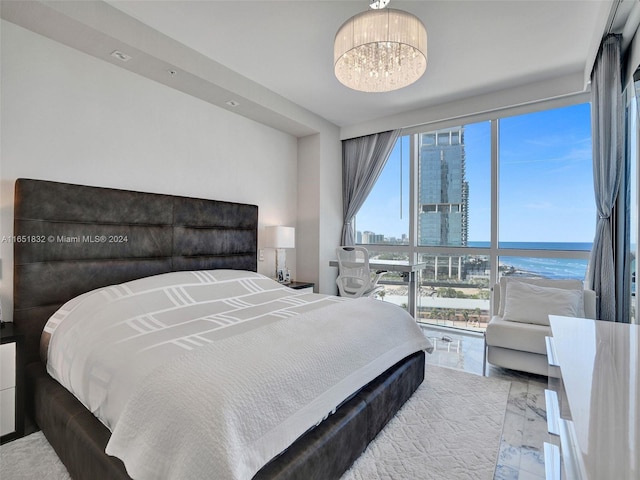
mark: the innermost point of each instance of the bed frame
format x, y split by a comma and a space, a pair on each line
77, 238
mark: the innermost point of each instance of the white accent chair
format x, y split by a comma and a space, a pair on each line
355, 278
515, 336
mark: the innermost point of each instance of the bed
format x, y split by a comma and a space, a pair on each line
75, 239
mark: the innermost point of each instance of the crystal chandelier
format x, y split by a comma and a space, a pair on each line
380, 50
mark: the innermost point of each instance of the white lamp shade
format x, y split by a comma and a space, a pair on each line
280, 237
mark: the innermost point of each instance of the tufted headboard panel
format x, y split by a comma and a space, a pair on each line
70, 239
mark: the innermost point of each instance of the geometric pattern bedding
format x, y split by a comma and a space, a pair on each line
239, 296
118, 348
155, 318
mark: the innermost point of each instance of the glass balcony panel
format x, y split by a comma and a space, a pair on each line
396, 287
454, 291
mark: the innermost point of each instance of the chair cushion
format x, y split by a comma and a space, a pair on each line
530, 303
526, 337
543, 282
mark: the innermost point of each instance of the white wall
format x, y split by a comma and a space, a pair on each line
330, 201
308, 233
558, 88
67, 116
319, 208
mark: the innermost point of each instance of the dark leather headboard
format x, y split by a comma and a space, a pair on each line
71, 239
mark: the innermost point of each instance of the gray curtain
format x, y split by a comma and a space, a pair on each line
363, 159
608, 166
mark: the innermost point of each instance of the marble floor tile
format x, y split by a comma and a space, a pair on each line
504, 472
508, 455
532, 460
530, 476
513, 429
521, 453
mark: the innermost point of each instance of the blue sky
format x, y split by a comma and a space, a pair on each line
546, 186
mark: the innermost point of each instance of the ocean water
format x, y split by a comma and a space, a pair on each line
548, 267
544, 267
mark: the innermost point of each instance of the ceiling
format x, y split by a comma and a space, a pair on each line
474, 47
275, 58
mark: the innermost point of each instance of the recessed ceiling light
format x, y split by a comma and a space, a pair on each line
121, 55
233, 103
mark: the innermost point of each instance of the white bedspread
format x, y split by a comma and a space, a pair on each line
203, 373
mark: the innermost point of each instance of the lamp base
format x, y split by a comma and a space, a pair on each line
283, 276
282, 272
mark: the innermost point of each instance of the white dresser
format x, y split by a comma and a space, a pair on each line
594, 408
7, 388
11, 398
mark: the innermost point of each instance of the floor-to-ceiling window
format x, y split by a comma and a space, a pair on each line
546, 200
454, 216
382, 224
478, 200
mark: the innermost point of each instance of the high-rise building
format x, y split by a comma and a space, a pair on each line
443, 209
367, 237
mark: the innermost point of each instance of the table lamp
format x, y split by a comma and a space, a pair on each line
280, 237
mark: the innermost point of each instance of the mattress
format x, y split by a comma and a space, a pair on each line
249, 362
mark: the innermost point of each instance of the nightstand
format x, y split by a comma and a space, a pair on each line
11, 384
305, 287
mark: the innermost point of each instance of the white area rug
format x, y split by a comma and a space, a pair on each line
449, 429
31, 458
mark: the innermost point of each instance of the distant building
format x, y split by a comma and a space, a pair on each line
443, 209
367, 237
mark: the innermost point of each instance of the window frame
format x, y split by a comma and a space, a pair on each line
493, 251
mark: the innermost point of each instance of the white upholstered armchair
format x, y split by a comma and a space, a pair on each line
515, 336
